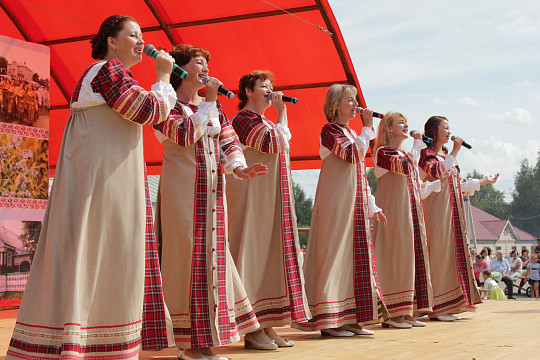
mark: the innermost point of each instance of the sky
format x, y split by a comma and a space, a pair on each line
475, 62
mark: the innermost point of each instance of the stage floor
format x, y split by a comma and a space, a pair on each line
504, 329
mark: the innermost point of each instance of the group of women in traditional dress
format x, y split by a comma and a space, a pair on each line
18, 102
223, 259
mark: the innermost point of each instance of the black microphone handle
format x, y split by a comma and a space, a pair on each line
222, 89
288, 99
376, 114
468, 146
425, 138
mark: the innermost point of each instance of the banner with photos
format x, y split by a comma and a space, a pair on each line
24, 129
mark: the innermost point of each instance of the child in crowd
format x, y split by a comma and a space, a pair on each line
533, 274
490, 287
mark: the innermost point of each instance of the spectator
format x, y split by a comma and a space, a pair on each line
490, 287
533, 269
515, 265
537, 247
485, 255
502, 266
524, 261
479, 265
472, 254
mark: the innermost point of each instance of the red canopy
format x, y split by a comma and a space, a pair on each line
240, 35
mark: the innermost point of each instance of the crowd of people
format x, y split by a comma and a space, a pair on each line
21, 103
488, 271
222, 258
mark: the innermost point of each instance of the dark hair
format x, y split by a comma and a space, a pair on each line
183, 54
478, 257
523, 251
513, 252
431, 129
109, 28
488, 250
248, 81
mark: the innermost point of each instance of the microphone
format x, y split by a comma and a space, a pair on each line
463, 143
376, 114
425, 138
150, 50
222, 90
288, 99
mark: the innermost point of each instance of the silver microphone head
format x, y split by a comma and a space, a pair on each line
205, 79
359, 110
149, 49
452, 137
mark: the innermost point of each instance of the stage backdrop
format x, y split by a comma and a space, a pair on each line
24, 148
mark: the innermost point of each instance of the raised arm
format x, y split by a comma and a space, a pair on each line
115, 83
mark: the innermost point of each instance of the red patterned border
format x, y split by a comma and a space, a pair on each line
28, 204
26, 131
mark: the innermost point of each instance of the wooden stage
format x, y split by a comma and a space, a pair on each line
504, 329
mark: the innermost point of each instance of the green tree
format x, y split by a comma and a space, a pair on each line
304, 207
489, 199
525, 207
372, 180
30, 235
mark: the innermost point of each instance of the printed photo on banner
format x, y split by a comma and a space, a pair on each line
24, 129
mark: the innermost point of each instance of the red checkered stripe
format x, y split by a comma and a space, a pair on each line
464, 272
228, 141
123, 94
179, 129
361, 248
397, 161
334, 139
154, 331
290, 256
226, 329
75, 96
49, 351
201, 333
253, 132
430, 164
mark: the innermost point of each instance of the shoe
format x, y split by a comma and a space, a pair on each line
336, 333
485, 298
357, 331
182, 356
511, 298
532, 299
281, 342
249, 343
395, 324
415, 323
212, 357
447, 318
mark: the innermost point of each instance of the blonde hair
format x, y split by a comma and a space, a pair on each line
334, 95
384, 136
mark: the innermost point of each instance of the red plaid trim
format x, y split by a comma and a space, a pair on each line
253, 132
75, 96
464, 272
228, 138
123, 94
397, 161
290, 256
333, 138
201, 330
430, 164
72, 347
154, 330
177, 128
361, 248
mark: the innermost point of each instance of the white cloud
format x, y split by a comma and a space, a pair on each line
517, 116
520, 24
440, 101
468, 101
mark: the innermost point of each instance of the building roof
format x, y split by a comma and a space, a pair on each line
489, 227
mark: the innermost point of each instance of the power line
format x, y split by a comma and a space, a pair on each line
299, 18
529, 218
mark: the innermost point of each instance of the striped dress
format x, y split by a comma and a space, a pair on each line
454, 286
94, 290
262, 225
400, 247
342, 283
202, 289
